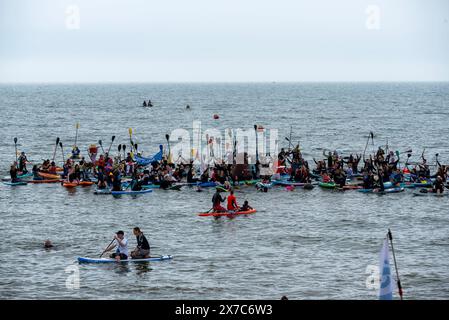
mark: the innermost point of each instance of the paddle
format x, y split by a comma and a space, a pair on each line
130, 131
112, 141
107, 247
15, 147
119, 148
135, 147
101, 145
62, 151
124, 151
167, 137
290, 139
257, 144
366, 146
56, 146
76, 135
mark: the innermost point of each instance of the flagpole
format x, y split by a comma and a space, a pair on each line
390, 237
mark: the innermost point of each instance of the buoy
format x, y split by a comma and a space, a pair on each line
216, 116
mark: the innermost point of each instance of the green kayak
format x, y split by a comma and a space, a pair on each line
327, 185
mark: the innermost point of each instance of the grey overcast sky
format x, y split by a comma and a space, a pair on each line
223, 40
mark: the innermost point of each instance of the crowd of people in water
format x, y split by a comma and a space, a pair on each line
108, 171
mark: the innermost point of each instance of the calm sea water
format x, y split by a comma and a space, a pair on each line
304, 244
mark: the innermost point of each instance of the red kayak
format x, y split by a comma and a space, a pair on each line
228, 214
70, 184
86, 183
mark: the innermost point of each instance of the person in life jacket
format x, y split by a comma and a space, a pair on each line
232, 202
75, 152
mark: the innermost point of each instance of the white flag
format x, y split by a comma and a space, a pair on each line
386, 283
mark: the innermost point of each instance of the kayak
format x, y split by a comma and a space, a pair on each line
351, 187
18, 183
108, 260
102, 191
115, 193
377, 190
264, 185
49, 175
226, 213
69, 184
425, 192
289, 183
423, 184
19, 176
327, 185
44, 181
85, 183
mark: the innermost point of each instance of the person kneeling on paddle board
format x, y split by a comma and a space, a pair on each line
142, 250
122, 247
232, 202
217, 200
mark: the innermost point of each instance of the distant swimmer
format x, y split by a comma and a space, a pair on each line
144, 103
48, 244
188, 107
149, 103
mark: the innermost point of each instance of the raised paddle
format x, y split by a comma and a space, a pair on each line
76, 135
101, 145
107, 247
124, 151
257, 145
56, 146
112, 141
366, 146
15, 147
130, 131
62, 151
167, 137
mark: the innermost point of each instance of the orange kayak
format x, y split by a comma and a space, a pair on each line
49, 175
86, 183
45, 181
226, 213
70, 184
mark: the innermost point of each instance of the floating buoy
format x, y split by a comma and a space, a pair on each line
216, 116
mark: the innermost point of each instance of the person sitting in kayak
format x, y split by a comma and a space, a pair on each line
75, 152
135, 184
232, 202
150, 104
144, 103
52, 169
142, 250
397, 177
122, 247
217, 200
35, 171
325, 177
246, 206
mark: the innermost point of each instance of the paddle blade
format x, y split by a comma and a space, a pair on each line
60, 144
57, 140
119, 147
124, 147
113, 138
15, 140
77, 125
255, 127
100, 142
130, 131
167, 137
135, 146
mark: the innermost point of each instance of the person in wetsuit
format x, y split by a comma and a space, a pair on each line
142, 250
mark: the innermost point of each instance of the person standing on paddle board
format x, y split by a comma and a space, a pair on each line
23, 163
217, 200
232, 202
13, 172
142, 250
122, 247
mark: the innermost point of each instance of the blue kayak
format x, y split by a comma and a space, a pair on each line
389, 190
18, 183
109, 260
115, 193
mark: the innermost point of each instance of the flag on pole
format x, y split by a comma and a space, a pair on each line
386, 283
